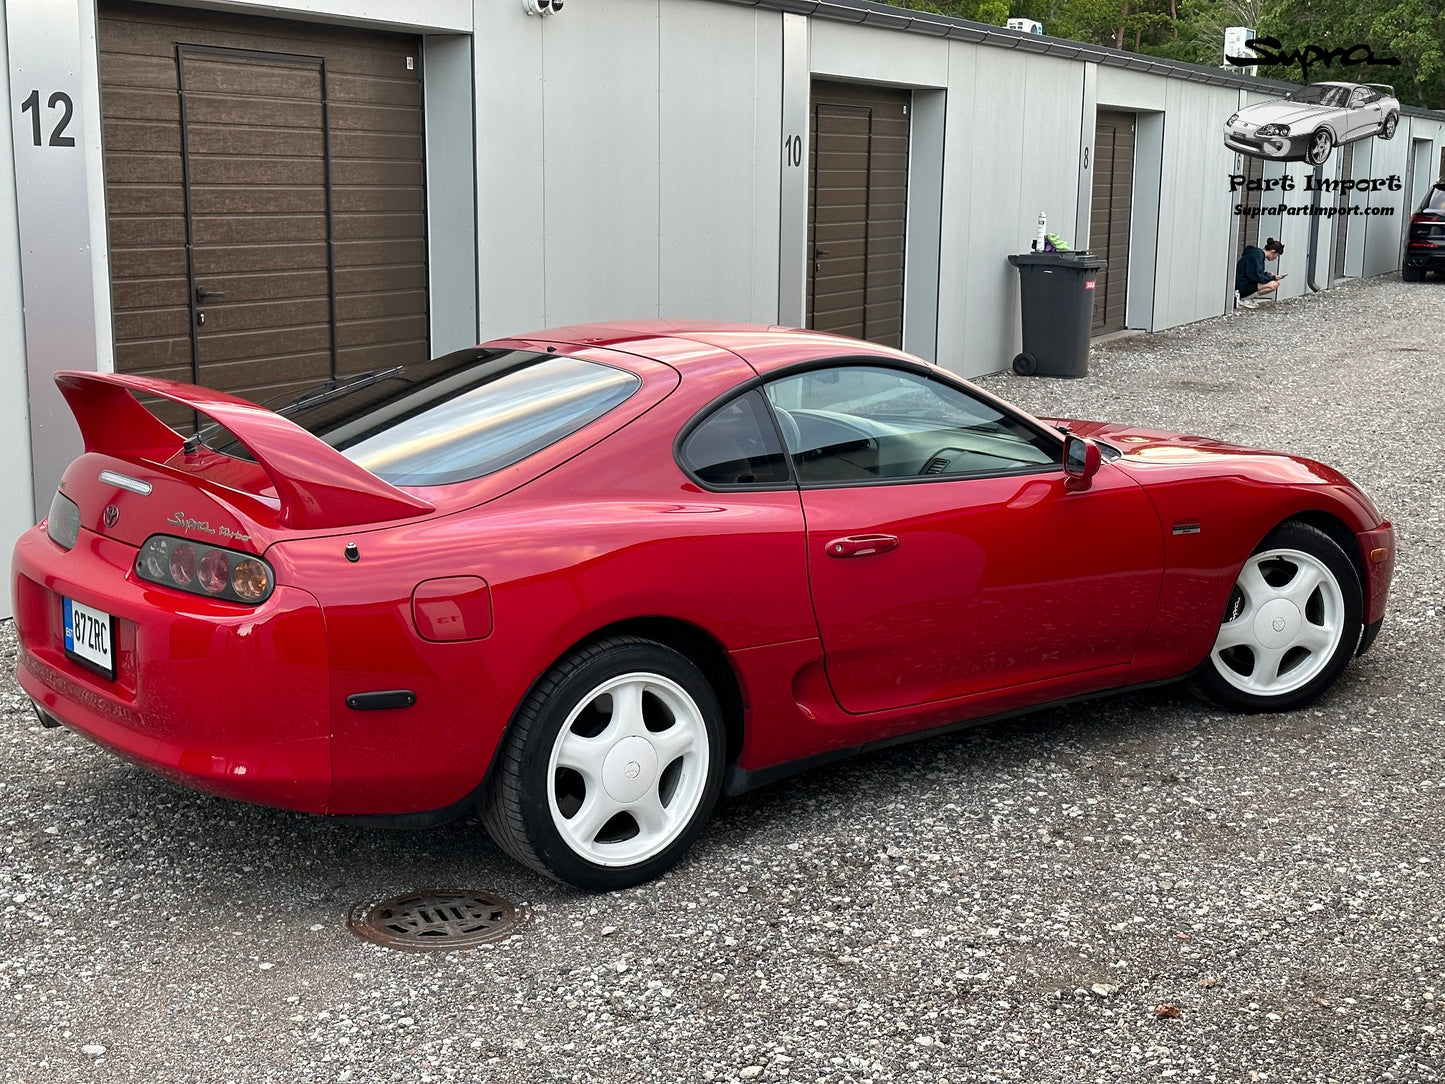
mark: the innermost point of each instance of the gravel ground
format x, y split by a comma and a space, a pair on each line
1127, 890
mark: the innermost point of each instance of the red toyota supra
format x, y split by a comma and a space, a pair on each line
590, 579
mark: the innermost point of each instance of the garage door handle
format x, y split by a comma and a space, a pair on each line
203, 295
862, 545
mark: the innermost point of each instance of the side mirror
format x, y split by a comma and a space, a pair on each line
1081, 461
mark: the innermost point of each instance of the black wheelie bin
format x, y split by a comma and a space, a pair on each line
1057, 300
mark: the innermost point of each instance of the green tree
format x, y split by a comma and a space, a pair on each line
992, 12
1410, 31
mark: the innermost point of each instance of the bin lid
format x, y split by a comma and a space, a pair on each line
1079, 261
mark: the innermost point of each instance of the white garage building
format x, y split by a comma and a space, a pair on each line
261, 195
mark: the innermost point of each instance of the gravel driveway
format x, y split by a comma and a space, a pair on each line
1126, 890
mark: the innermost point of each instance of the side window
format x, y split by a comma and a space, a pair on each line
736, 445
860, 423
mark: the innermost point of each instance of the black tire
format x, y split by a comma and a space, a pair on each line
1388, 126
1320, 145
1412, 274
666, 745
1026, 364
1290, 627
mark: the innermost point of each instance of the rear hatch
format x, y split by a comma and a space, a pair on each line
1427, 225
138, 477
365, 450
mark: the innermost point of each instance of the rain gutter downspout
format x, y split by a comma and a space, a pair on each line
1314, 231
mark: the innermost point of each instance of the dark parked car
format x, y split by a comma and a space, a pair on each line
1425, 250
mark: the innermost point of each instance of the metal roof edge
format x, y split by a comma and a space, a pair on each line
909, 20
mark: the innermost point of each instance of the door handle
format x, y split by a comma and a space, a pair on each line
862, 545
203, 295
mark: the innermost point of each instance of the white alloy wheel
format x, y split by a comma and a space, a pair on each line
1283, 625
611, 766
629, 768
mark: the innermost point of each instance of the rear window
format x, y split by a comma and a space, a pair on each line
1435, 201
462, 416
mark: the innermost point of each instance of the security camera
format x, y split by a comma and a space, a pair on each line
541, 7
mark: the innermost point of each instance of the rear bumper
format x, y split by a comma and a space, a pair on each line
1368, 637
1426, 259
221, 697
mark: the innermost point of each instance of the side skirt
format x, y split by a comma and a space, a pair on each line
740, 780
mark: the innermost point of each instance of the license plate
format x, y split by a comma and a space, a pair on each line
90, 637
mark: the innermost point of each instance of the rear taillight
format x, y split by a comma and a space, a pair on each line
204, 570
63, 522
1422, 227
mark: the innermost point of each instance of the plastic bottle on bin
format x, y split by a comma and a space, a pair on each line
1042, 231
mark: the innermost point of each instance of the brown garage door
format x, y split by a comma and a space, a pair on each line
264, 183
1339, 246
858, 203
1113, 202
1253, 169
1246, 224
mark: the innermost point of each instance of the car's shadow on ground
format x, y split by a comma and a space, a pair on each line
167, 847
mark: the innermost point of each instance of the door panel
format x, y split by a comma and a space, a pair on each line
235, 230
1363, 120
1339, 249
858, 200
277, 165
993, 583
946, 555
1111, 214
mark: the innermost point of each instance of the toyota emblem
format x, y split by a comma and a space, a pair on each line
111, 515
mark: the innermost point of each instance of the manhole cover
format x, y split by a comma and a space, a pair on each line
435, 920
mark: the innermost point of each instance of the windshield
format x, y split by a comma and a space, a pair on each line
1322, 94
464, 415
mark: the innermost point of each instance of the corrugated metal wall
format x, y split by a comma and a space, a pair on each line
631, 168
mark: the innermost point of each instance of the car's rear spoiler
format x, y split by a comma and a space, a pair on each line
317, 486
1386, 87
